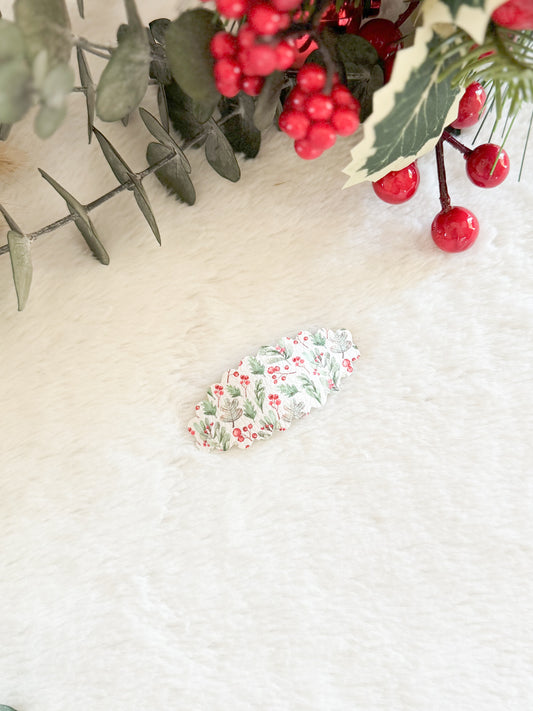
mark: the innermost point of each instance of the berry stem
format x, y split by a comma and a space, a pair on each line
456, 144
444, 196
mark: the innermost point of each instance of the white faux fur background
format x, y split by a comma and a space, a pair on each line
375, 557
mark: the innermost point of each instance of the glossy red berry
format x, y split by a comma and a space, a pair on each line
306, 150
311, 78
246, 37
285, 55
321, 135
399, 185
258, 60
319, 107
515, 15
296, 99
252, 85
455, 229
345, 120
223, 45
264, 19
487, 165
286, 5
294, 123
470, 106
234, 9
227, 73
383, 35
342, 96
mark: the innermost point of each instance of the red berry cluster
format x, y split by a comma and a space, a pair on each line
314, 119
243, 60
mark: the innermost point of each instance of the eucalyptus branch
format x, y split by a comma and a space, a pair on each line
100, 50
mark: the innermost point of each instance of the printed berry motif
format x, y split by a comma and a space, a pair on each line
313, 118
270, 390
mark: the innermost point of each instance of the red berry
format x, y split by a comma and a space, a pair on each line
342, 96
296, 100
345, 121
488, 165
321, 135
294, 123
286, 5
383, 35
264, 19
515, 15
285, 55
305, 149
236, 432
240, 439
223, 45
232, 8
246, 37
258, 60
252, 85
398, 185
227, 69
311, 78
254, 436
455, 229
319, 107
470, 106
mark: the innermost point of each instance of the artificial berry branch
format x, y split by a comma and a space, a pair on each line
444, 195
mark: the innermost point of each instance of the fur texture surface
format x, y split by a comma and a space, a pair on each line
377, 556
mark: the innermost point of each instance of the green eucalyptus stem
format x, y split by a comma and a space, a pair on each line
100, 50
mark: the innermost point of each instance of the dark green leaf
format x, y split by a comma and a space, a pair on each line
163, 107
363, 82
220, 154
180, 109
158, 29
267, 102
355, 49
174, 175
159, 133
82, 220
124, 81
81, 9
15, 90
124, 174
90, 90
240, 129
189, 57
45, 24
20, 254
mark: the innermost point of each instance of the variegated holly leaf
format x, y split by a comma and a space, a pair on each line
410, 112
472, 16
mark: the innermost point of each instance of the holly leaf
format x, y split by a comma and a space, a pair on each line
472, 16
124, 81
174, 175
21, 265
45, 25
219, 153
89, 89
288, 390
187, 41
268, 100
240, 130
410, 113
318, 339
124, 175
259, 392
209, 408
256, 367
249, 410
82, 220
233, 390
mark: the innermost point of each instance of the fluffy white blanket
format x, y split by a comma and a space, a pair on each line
376, 556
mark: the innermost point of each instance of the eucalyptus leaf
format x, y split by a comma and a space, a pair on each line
21, 265
11, 41
239, 128
162, 105
89, 87
124, 81
220, 155
158, 132
81, 9
48, 120
15, 90
190, 59
352, 48
180, 109
12, 226
82, 220
174, 175
45, 24
56, 85
124, 174
266, 105
158, 29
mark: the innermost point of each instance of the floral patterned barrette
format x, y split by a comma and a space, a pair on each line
270, 390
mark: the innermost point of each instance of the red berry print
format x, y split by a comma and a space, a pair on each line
455, 229
487, 165
399, 185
